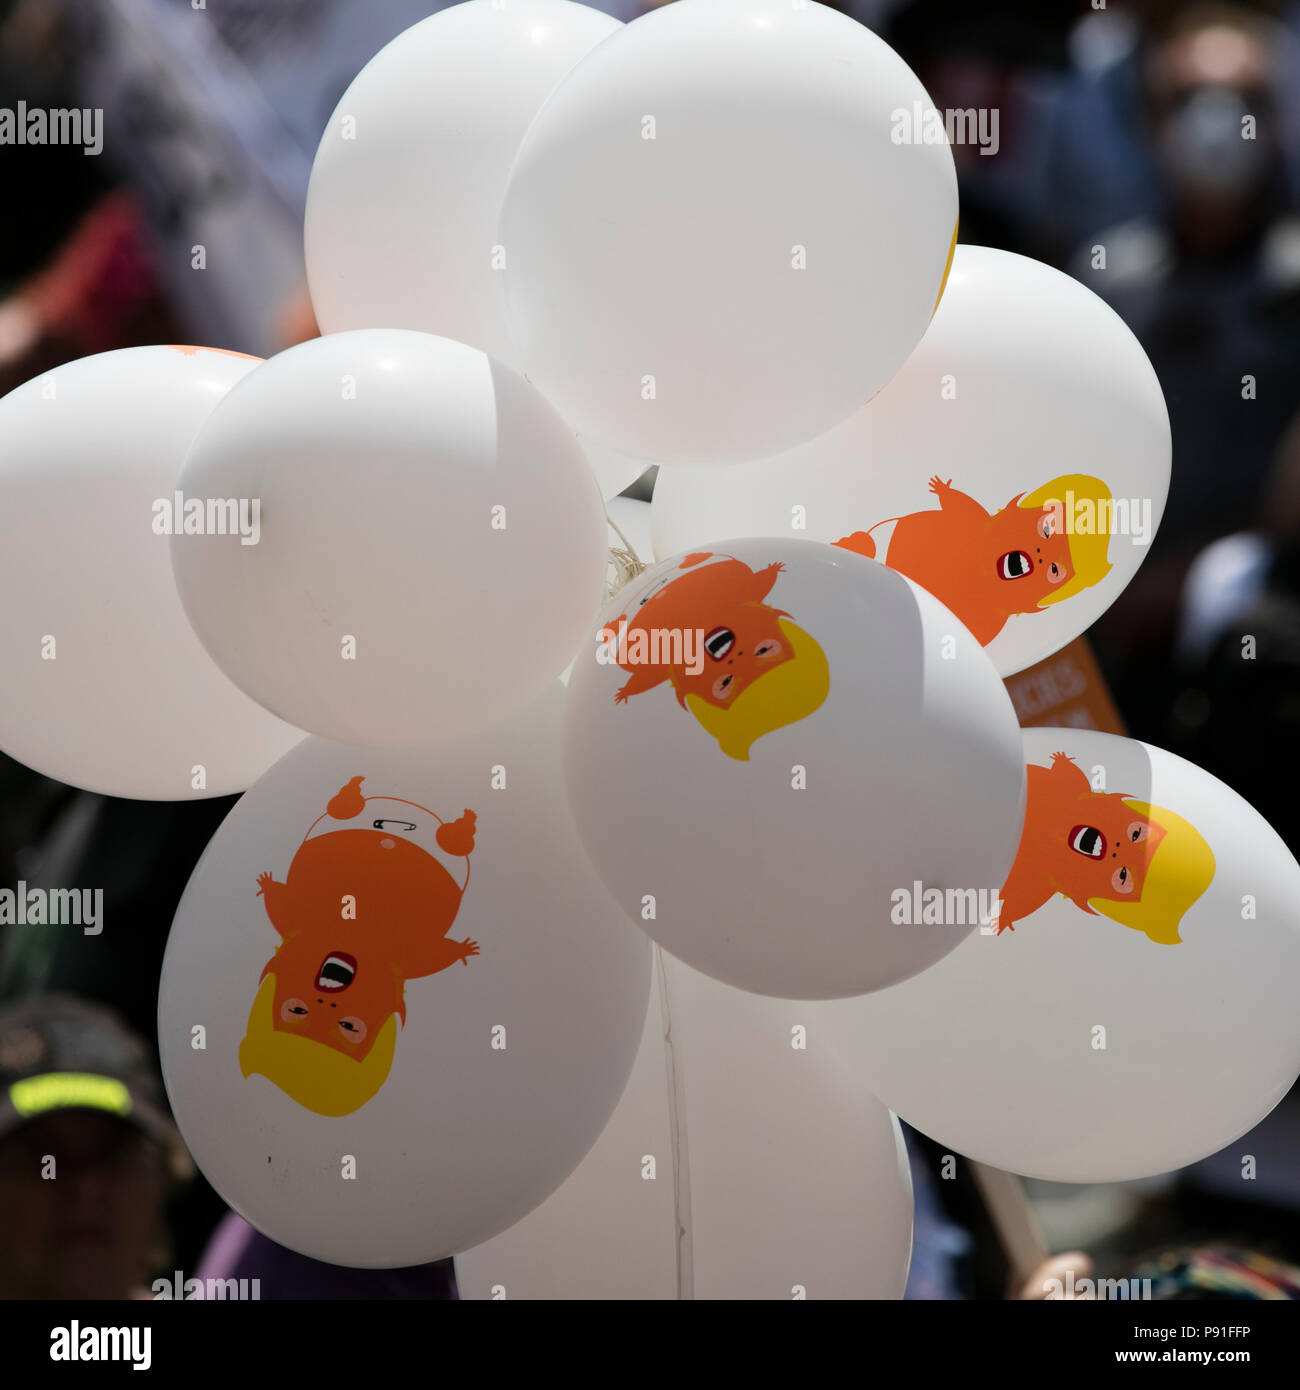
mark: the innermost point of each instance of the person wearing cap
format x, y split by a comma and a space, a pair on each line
87, 1153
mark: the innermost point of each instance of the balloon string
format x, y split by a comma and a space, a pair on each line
627, 563
677, 1137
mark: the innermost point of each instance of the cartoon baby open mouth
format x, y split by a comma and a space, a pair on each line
337, 972
1087, 839
1015, 564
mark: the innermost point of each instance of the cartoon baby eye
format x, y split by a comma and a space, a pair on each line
1047, 526
1055, 573
352, 1028
1122, 881
722, 687
767, 649
292, 1010
1138, 831
1088, 841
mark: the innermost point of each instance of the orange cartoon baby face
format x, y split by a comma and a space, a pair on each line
739, 665
328, 995
1029, 551
735, 652
1107, 850
704, 628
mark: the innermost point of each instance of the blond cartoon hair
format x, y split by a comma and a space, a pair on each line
1180, 870
1089, 552
317, 1076
784, 695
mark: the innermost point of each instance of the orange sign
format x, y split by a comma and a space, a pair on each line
1066, 691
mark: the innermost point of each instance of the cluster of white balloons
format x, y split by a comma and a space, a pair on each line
408, 981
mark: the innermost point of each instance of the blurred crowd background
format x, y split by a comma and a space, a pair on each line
1118, 158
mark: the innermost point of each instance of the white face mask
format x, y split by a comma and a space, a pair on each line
1203, 148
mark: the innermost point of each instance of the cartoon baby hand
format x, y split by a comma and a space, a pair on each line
467, 949
937, 484
263, 880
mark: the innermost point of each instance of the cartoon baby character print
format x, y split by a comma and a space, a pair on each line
1138, 864
740, 666
367, 904
988, 567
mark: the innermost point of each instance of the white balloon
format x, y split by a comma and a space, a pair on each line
406, 188
721, 237
836, 735
432, 547
775, 1175
1118, 1034
524, 995
105, 685
1026, 384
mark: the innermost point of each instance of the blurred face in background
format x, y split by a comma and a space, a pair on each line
90, 1231
1210, 86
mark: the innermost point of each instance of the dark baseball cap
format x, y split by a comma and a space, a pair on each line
58, 1052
